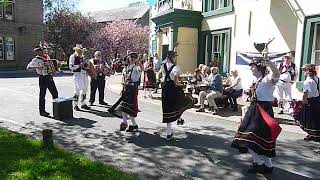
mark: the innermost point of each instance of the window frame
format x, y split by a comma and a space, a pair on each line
2, 44
224, 48
314, 44
3, 11
5, 48
223, 6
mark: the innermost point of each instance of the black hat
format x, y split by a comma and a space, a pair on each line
171, 54
133, 54
39, 47
256, 61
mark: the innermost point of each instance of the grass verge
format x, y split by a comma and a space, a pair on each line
22, 158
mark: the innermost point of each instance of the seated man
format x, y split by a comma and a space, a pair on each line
233, 89
214, 81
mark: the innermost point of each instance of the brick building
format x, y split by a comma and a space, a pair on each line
21, 28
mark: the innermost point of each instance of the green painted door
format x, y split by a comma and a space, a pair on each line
165, 49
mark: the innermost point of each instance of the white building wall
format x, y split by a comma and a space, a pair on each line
281, 19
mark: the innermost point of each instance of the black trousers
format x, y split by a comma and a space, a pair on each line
232, 96
46, 82
99, 84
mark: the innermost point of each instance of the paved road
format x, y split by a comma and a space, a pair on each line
201, 151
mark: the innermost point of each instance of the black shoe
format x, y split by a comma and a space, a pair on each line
263, 169
170, 137
91, 103
76, 108
85, 107
180, 122
44, 113
253, 169
103, 103
200, 110
132, 128
123, 126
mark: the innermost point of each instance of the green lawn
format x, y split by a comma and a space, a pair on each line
24, 158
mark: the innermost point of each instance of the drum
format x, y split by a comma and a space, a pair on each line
92, 71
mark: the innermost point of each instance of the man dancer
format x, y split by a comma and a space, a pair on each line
99, 83
287, 71
80, 68
41, 65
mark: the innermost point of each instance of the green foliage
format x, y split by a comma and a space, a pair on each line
26, 159
4, 3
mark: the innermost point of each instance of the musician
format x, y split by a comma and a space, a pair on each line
149, 77
174, 101
233, 89
129, 100
309, 120
41, 64
102, 69
287, 75
80, 68
258, 130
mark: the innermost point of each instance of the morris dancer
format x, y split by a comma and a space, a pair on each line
309, 119
174, 101
80, 68
41, 65
129, 102
287, 75
258, 130
100, 82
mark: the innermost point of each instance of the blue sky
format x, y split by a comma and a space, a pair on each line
96, 5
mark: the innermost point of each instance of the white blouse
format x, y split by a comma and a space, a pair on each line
175, 71
265, 88
310, 86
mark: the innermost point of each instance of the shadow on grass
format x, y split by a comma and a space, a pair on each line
23, 158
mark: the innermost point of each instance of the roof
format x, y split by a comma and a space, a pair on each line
133, 12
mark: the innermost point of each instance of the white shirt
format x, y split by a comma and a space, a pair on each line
234, 80
157, 64
135, 72
42, 67
265, 88
175, 71
310, 86
73, 67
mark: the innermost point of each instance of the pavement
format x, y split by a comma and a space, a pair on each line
201, 149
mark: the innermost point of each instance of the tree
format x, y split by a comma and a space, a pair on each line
65, 28
58, 5
118, 37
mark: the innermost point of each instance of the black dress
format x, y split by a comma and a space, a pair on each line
174, 101
258, 130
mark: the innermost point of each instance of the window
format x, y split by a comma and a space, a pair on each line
212, 5
217, 50
7, 12
315, 59
1, 49
9, 48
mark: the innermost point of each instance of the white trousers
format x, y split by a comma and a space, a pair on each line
81, 82
210, 97
283, 93
260, 159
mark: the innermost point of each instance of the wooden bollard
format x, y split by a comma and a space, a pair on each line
47, 138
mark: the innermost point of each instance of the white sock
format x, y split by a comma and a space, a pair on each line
133, 120
124, 117
169, 128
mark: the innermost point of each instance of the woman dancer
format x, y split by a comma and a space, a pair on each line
258, 130
309, 120
174, 101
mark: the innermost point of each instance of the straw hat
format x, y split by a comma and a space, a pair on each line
79, 47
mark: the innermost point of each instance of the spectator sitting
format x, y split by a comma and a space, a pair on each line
233, 89
204, 72
197, 77
214, 81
